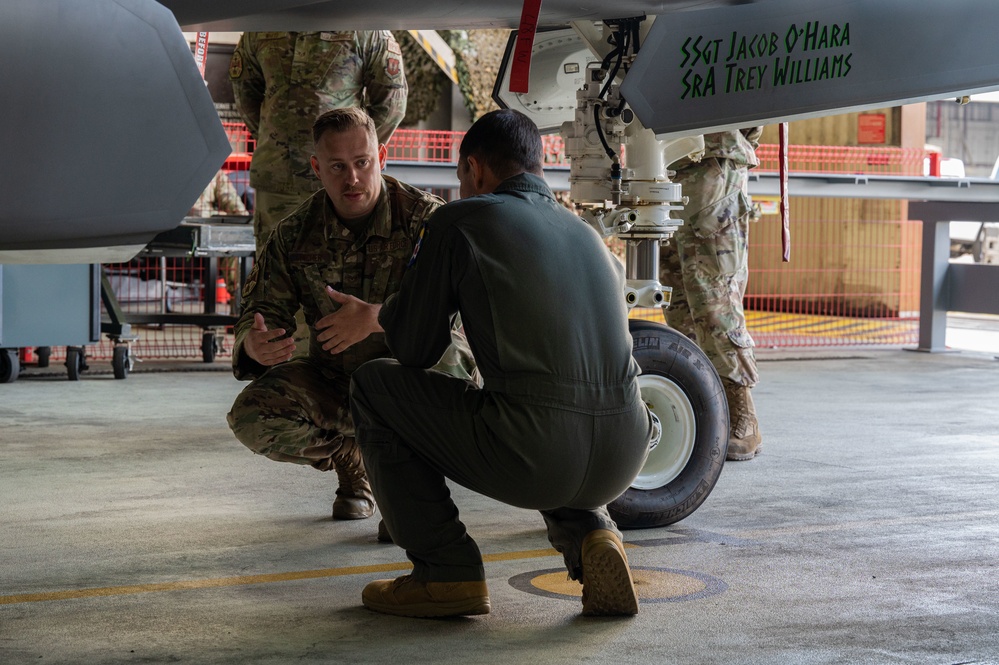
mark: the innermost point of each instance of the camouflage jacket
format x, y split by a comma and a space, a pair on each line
283, 80
737, 146
310, 249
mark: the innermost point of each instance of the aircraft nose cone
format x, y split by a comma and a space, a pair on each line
109, 133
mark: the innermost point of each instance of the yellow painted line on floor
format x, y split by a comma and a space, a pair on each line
242, 580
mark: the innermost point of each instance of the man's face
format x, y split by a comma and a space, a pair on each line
349, 164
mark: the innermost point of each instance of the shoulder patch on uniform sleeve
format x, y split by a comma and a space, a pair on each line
393, 66
392, 46
417, 244
236, 66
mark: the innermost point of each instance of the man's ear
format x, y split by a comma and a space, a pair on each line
315, 165
477, 169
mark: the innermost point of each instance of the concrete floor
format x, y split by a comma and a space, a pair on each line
136, 530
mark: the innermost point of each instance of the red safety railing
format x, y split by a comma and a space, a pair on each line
844, 159
242, 147
853, 276
437, 147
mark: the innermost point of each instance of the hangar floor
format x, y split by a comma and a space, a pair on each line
137, 530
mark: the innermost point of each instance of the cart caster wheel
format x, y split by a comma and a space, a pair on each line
42, 353
75, 362
208, 346
10, 365
121, 362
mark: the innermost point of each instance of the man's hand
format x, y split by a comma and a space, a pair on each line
350, 324
264, 346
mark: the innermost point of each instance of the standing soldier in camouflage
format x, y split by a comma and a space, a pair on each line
354, 238
707, 265
283, 80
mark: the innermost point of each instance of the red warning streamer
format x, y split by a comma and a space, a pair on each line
785, 205
520, 71
201, 52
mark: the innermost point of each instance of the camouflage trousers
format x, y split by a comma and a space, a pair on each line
707, 265
295, 413
270, 208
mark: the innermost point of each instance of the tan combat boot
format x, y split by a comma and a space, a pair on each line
354, 500
407, 597
744, 441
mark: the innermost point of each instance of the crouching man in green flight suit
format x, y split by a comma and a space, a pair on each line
355, 238
559, 424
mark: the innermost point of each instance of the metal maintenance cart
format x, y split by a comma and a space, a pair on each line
190, 297
45, 306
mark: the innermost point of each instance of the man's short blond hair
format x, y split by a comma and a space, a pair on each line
342, 120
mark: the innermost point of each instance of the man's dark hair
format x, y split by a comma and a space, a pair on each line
341, 120
506, 141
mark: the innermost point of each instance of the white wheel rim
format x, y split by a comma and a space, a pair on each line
670, 404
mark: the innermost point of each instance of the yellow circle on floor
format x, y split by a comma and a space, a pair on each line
654, 585
650, 584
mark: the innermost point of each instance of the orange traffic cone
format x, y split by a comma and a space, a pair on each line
221, 292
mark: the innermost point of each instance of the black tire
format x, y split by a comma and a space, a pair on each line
208, 346
74, 362
683, 389
43, 353
120, 361
10, 365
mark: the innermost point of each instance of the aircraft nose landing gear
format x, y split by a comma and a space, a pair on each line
684, 392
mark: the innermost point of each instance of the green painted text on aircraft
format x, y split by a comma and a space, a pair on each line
743, 68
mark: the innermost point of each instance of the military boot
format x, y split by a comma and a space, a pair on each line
354, 500
744, 441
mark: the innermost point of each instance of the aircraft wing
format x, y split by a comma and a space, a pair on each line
291, 15
110, 135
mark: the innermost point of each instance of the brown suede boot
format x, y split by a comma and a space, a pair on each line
744, 441
608, 587
407, 597
354, 500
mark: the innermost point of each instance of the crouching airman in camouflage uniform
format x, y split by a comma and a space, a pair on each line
354, 237
707, 265
283, 80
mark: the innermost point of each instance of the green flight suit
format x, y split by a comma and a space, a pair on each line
559, 424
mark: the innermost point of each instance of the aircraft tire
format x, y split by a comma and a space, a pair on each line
683, 389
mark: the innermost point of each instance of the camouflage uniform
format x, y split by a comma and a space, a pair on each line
706, 261
282, 81
298, 411
219, 198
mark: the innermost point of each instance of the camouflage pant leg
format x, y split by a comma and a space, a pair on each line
707, 264
678, 314
294, 413
269, 209
713, 301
